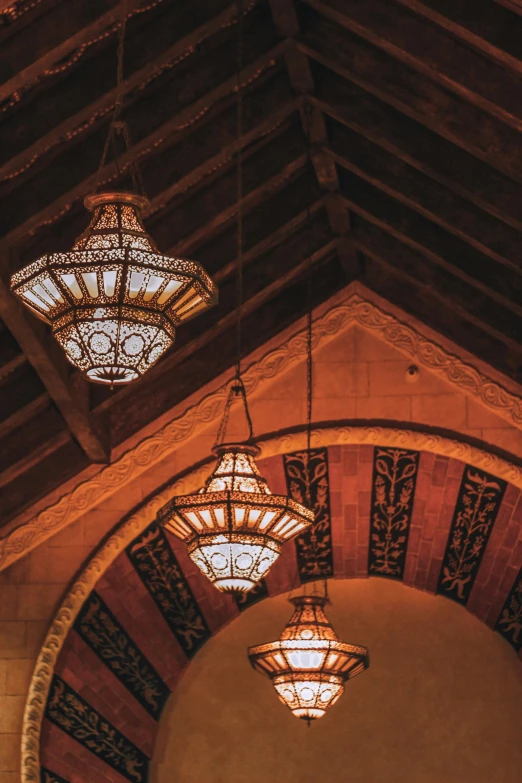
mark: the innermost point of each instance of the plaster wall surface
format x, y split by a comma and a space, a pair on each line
355, 376
440, 702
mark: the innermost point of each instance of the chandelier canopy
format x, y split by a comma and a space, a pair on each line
113, 301
234, 526
308, 665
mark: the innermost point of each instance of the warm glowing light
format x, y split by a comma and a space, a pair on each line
234, 526
308, 665
114, 301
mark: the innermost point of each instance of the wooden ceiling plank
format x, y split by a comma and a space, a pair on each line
33, 457
24, 414
494, 31
403, 227
285, 18
69, 393
375, 243
175, 126
418, 146
432, 52
212, 226
403, 182
414, 95
83, 119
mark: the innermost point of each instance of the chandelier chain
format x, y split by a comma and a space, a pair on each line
239, 184
117, 125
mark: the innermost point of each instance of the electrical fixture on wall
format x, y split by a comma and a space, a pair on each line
234, 526
113, 301
308, 665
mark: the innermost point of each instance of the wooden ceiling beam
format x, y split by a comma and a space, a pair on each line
69, 392
176, 126
477, 307
24, 414
413, 94
429, 239
212, 226
314, 127
432, 52
404, 183
484, 26
84, 120
419, 147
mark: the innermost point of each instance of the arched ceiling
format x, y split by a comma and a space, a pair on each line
413, 185
428, 521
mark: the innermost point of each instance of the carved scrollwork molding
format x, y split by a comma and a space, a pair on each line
354, 310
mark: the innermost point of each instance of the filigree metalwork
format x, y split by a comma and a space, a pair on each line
477, 506
253, 596
100, 629
113, 302
307, 481
509, 623
308, 665
394, 477
234, 525
161, 574
67, 710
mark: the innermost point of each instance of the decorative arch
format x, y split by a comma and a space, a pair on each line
142, 588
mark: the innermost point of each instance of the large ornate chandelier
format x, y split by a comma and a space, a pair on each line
308, 665
114, 302
234, 526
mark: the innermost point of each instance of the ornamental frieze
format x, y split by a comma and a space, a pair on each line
477, 506
393, 490
160, 572
100, 629
509, 623
73, 715
308, 483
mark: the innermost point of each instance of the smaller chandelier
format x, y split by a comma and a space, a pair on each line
308, 665
113, 301
234, 526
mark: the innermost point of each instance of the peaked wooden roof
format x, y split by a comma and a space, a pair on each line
414, 117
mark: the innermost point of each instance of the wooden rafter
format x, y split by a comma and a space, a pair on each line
432, 52
413, 94
83, 119
176, 125
69, 393
314, 127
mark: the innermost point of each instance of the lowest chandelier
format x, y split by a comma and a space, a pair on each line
114, 302
234, 526
308, 665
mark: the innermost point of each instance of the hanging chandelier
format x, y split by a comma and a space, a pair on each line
113, 302
308, 665
234, 526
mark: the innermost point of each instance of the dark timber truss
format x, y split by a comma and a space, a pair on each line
396, 124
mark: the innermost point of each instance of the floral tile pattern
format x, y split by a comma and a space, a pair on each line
509, 623
393, 490
476, 509
308, 482
159, 570
67, 710
100, 629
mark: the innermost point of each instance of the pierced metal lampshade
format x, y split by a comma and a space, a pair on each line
234, 526
308, 665
114, 301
